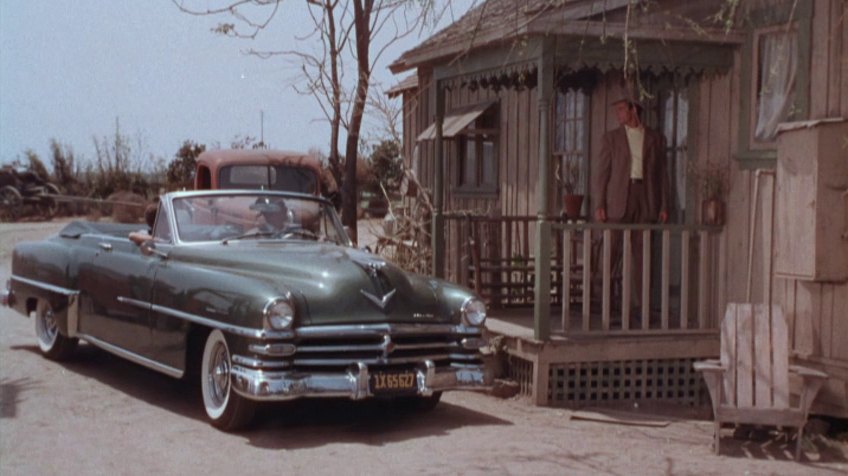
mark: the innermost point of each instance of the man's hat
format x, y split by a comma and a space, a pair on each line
625, 97
265, 205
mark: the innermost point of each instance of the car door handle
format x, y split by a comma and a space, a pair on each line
106, 246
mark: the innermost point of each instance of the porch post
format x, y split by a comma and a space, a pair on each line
542, 309
438, 225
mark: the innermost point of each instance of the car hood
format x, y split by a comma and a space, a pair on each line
331, 284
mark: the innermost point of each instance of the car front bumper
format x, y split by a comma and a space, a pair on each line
288, 385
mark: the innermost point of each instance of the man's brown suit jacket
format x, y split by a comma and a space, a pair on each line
613, 178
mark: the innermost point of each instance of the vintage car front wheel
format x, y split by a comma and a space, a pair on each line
51, 342
225, 408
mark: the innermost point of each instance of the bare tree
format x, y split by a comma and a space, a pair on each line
349, 31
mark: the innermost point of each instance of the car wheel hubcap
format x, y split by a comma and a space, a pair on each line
219, 375
48, 329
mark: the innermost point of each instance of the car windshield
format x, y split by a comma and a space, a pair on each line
265, 216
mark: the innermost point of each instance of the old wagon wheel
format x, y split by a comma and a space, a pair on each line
48, 205
11, 202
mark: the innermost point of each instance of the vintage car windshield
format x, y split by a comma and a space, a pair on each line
289, 178
264, 216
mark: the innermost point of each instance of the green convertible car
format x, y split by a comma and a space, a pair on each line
259, 293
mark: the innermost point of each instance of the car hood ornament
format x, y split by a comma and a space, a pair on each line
379, 302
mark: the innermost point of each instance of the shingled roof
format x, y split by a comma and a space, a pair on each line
498, 21
494, 21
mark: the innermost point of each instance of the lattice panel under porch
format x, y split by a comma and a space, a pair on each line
590, 383
521, 371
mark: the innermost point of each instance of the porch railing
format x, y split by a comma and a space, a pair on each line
591, 288
678, 284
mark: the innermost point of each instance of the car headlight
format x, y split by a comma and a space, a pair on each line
474, 312
279, 314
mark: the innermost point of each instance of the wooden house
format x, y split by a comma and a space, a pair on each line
517, 90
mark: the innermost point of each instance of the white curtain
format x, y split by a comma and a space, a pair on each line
778, 55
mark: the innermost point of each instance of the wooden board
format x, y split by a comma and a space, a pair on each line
619, 417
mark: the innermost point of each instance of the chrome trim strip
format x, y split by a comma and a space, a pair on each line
352, 383
274, 350
256, 363
339, 348
134, 302
306, 348
133, 357
46, 286
382, 361
433, 345
231, 328
378, 330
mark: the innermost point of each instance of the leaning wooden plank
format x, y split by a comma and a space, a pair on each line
762, 355
728, 353
780, 366
744, 357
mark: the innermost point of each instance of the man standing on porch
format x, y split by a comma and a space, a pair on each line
631, 185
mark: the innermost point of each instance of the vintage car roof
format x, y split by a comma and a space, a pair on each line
216, 158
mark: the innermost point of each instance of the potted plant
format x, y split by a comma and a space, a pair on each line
568, 177
713, 180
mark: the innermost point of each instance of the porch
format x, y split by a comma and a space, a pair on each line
600, 347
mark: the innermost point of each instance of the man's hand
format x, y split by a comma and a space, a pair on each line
601, 214
663, 216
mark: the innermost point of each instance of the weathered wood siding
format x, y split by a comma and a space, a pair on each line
817, 312
518, 151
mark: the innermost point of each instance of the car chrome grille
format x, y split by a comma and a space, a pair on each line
389, 348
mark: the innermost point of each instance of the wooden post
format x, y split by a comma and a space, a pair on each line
626, 279
587, 280
607, 280
646, 278
684, 281
567, 236
702, 280
542, 301
438, 237
666, 278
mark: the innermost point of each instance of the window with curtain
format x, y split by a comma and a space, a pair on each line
478, 155
570, 135
776, 62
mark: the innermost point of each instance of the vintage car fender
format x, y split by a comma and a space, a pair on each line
45, 270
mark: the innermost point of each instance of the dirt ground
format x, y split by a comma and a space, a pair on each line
101, 415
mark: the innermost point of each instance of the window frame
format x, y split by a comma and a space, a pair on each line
484, 129
755, 154
583, 151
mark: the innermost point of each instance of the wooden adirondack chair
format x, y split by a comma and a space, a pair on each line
750, 384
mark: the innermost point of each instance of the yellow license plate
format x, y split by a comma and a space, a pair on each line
393, 382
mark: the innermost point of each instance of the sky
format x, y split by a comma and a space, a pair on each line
70, 70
